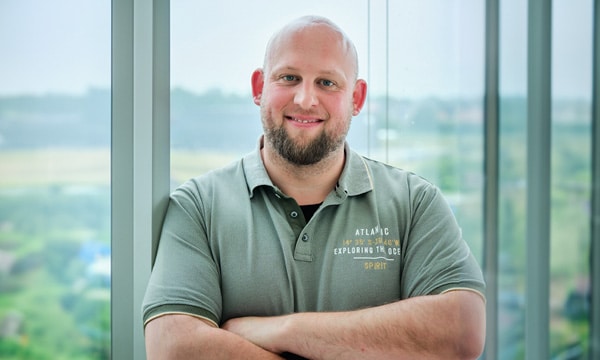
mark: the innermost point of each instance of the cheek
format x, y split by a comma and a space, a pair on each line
340, 108
276, 100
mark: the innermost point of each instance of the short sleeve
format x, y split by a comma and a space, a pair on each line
437, 259
185, 277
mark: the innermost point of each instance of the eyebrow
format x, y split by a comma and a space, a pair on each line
294, 69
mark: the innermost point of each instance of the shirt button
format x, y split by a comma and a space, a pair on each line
305, 237
294, 214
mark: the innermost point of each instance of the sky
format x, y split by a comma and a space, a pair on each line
436, 47
54, 46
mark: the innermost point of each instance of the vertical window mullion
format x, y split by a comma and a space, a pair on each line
595, 216
538, 179
122, 179
491, 168
140, 155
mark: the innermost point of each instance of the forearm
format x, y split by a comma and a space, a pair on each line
174, 337
449, 326
420, 328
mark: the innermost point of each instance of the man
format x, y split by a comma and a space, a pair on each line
304, 248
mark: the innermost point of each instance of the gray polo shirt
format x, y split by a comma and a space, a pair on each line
234, 245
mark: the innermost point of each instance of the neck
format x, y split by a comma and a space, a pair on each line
307, 184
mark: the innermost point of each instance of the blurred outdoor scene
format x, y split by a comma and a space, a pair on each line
55, 203
425, 113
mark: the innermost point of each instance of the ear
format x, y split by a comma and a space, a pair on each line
359, 96
258, 81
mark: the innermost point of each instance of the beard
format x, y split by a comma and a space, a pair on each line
304, 154
308, 154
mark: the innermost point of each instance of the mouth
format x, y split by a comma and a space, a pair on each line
303, 120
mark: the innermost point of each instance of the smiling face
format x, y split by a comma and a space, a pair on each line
308, 92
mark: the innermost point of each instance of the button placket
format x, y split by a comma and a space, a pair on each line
303, 250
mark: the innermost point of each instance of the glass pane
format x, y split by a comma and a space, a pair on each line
434, 102
570, 185
423, 61
425, 115
55, 179
571, 178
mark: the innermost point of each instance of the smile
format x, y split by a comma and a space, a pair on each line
304, 121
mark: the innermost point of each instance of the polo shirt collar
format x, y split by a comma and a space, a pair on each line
356, 176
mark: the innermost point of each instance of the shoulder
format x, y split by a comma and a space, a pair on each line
221, 177
385, 176
399, 188
211, 186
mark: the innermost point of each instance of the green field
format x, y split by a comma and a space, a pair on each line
41, 168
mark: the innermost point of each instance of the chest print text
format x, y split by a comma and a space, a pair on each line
373, 248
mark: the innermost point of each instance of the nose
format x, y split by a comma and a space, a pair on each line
306, 96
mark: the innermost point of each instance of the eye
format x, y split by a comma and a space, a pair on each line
327, 83
289, 78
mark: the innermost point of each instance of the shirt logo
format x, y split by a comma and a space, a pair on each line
377, 230
372, 247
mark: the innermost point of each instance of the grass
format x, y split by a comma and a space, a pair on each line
188, 164
90, 167
32, 168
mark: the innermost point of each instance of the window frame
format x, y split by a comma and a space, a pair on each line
140, 164
595, 212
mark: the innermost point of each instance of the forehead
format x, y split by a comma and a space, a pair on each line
317, 46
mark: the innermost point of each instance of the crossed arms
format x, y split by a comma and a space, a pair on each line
445, 326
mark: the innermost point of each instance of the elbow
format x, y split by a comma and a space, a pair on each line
470, 339
471, 345
173, 337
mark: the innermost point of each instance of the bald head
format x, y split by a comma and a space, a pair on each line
337, 35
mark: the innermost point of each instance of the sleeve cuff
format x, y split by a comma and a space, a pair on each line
194, 311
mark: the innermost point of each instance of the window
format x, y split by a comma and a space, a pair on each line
571, 177
425, 69
424, 65
55, 180
431, 101
512, 257
424, 111
570, 184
